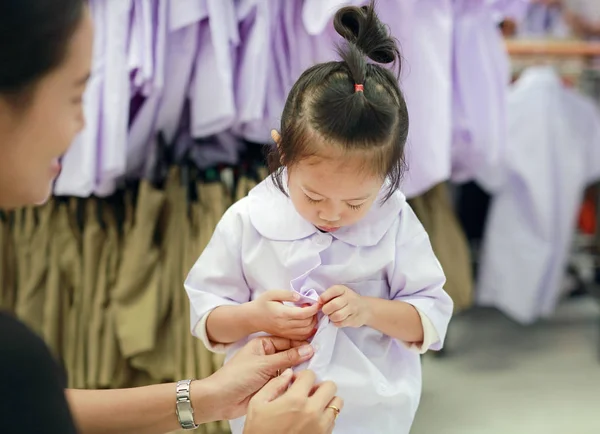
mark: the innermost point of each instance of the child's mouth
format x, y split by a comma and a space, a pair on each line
328, 228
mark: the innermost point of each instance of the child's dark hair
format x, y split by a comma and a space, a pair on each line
325, 106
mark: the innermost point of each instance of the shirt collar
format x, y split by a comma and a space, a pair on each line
273, 215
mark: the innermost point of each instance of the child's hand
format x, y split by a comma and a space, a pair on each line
270, 315
344, 307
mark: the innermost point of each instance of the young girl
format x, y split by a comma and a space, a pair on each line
327, 249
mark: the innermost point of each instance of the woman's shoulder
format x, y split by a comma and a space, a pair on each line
27, 366
22, 349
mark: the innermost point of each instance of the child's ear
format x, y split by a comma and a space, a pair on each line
277, 139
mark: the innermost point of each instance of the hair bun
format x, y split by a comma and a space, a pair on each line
361, 26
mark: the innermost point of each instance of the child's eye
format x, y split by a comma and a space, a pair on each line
355, 207
311, 200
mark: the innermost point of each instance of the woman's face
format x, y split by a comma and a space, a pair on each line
33, 139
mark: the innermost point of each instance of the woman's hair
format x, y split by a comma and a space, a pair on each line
325, 108
34, 38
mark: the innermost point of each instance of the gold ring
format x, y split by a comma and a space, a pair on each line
335, 410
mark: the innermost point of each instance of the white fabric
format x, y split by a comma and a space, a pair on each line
79, 164
553, 152
262, 243
213, 72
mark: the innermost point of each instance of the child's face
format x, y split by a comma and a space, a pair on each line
332, 193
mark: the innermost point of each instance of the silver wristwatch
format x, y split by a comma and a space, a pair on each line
185, 412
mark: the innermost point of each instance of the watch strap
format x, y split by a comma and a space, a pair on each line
185, 412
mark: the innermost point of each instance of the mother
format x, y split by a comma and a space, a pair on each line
45, 58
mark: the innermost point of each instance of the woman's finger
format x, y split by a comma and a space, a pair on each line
323, 395
287, 359
274, 388
303, 384
331, 412
268, 345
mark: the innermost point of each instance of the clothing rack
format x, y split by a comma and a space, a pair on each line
570, 57
569, 48
582, 53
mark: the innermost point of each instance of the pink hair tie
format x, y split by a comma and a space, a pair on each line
359, 87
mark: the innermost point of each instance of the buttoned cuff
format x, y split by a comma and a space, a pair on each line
430, 335
202, 334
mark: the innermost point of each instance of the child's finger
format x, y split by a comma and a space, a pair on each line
281, 295
340, 316
335, 305
293, 312
331, 293
301, 323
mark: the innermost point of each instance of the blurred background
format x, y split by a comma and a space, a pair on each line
503, 157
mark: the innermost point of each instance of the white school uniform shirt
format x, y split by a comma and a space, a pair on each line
79, 164
553, 152
480, 80
262, 243
112, 152
212, 93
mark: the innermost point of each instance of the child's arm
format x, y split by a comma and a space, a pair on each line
216, 282
418, 309
228, 324
418, 302
397, 319
221, 310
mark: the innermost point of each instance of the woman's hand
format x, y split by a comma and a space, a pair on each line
304, 408
344, 307
232, 386
270, 315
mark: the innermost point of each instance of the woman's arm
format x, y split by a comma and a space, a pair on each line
143, 410
223, 395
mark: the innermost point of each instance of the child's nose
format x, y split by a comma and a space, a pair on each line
329, 213
329, 217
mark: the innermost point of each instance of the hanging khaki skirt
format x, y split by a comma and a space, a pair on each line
8, 264
22, 233
63, 280
93, 241
434, 210
72, 282
30, 302
135, 298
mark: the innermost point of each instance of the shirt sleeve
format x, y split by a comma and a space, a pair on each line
217, 277
418, 279
430, 335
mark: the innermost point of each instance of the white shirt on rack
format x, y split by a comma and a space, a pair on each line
553, 153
